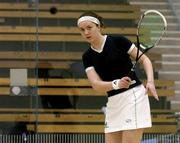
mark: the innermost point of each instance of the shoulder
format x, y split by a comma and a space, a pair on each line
119, 38
86, 54
121, 42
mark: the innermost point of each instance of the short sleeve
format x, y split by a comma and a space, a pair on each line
125, 43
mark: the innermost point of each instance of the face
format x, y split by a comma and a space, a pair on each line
89, 31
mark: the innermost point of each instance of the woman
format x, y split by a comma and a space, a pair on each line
107, 63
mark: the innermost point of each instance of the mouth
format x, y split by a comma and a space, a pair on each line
88, 37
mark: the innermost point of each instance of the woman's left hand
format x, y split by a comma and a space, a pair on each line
151, 88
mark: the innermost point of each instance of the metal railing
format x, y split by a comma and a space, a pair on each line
53, 138
81, 138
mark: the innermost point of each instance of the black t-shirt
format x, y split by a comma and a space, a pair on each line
113, 62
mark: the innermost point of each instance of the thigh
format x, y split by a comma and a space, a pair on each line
132, 136
114, 137
128, 136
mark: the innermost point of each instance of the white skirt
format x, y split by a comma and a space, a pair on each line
128, 110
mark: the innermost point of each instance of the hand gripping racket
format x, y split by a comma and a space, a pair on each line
150, 30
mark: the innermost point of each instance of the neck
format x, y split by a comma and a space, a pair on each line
98, 42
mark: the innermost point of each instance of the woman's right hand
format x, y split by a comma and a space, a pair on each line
125, 82
151, 88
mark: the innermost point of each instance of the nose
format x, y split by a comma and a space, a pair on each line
86, 32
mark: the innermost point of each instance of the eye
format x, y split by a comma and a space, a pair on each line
81, 29
90, 26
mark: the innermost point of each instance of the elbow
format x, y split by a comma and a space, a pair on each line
96, 86
145, 61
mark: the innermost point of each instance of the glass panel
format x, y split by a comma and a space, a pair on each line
18, 68
45, 94
64, 112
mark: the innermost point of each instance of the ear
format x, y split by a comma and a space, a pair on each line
99, 28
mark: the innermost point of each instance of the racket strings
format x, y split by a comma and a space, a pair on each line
151, 29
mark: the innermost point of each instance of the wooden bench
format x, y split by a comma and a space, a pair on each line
55, 34
66, 11
69, 11
161, 124
65, 15
77, 120
71, 7
46, 38
63, 30
51, 60
76, 87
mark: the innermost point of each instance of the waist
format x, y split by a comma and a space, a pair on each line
114, 92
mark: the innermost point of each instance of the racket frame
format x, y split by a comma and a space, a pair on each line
137, 36
139, 23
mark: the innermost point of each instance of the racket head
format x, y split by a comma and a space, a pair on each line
151, 28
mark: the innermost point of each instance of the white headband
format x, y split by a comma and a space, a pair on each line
88, 18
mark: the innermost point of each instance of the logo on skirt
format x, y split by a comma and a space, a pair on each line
128, 120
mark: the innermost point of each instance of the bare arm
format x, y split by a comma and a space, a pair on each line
147, 65
103, 86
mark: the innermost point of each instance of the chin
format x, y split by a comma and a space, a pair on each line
89, 40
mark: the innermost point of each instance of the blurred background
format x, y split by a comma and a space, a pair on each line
44, 92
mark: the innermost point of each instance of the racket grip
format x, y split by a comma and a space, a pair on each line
131, 74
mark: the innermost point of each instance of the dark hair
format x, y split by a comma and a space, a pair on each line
91, 13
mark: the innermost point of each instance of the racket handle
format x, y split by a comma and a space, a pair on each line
131, 74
